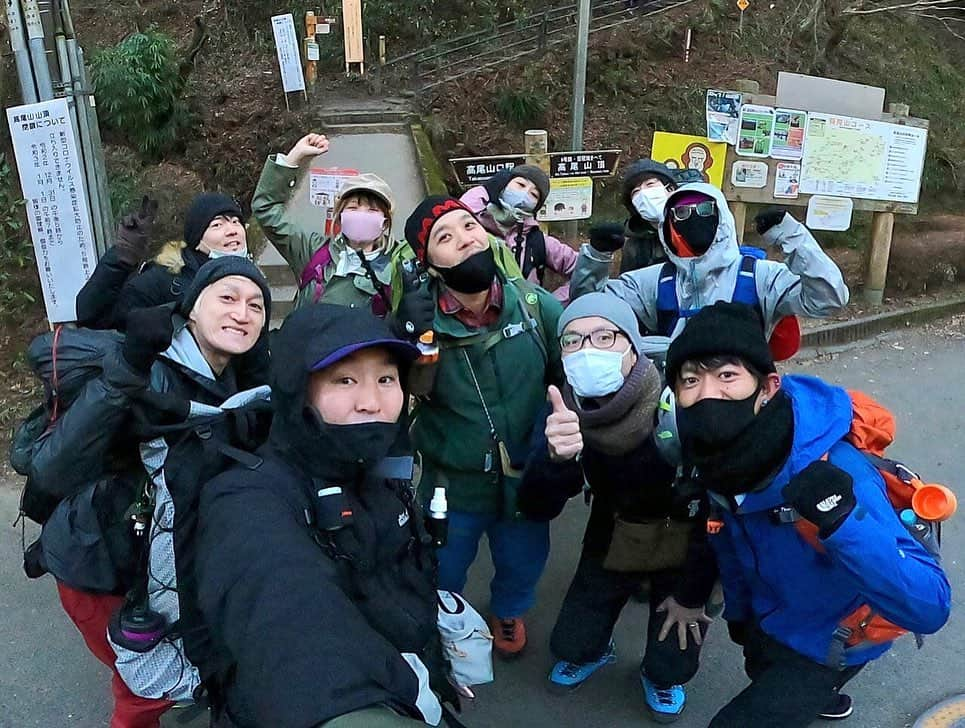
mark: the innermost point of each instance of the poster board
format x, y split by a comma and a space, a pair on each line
682, 151
324, 184
286, 47
352, 29
765, 196
570, 198
52, 181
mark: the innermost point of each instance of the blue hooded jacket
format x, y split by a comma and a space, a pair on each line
799, 595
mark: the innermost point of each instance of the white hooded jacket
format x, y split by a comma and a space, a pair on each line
807, 284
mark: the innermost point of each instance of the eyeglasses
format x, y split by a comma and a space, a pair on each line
599, 339
703, 209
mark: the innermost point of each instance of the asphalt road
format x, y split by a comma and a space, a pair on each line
48, 680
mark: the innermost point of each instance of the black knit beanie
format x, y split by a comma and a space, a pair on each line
724, 329
497, 183
637, 173
205, 208
424, 216
218, 268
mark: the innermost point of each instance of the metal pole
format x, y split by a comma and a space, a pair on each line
97, 151
38, 52
21, 56
579, 74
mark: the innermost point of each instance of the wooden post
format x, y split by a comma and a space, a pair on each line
882, 227
310, 51
739, 211
535, 142
381, 50
882, 230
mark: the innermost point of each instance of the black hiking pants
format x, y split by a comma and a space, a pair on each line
787, 689
592, 606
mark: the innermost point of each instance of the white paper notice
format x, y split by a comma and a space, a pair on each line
829, 213
749, 174
52, 180
569, 199
787, 180
289, 61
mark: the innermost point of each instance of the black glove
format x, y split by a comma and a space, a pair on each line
768, 218
607, 237
417, 308
823, 494
738, 632
134, 233
149, 332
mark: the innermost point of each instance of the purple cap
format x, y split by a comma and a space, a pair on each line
689, 197
406, 351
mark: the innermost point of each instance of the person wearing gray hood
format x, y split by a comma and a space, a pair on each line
706, 265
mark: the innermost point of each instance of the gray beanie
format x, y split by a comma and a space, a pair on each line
607, 306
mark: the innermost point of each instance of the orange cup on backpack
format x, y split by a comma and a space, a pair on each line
933, 502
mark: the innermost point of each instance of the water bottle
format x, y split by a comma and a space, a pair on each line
438, 523
428, 348
923, 531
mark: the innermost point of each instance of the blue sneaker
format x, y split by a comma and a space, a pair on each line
568, 676
665, 704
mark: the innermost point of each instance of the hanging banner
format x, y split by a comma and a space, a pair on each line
289, 60
682, 151
52, 180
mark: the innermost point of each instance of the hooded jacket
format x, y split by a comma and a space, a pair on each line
315, 624
798, 595
560, 257
348, 285
807, 284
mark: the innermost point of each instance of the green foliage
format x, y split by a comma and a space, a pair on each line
520, 109
18, 287
415, 23
138, 90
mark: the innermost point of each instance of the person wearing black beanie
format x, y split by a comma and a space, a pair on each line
507, 204
214, 223
810, 548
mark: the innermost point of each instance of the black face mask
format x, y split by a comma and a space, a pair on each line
474, 275
699, 232
711, 425
342, 452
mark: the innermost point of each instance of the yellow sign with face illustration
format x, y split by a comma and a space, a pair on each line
682, 151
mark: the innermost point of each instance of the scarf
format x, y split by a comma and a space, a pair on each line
619, 424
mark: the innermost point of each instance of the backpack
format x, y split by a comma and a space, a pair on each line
314, 270
872, 430
785, 339
182, 458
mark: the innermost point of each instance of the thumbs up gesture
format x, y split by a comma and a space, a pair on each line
562, 428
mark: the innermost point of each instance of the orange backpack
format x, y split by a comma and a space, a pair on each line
873, 430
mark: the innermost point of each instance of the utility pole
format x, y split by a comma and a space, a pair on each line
579, 90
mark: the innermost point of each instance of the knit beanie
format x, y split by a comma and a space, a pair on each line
218, 268
723, 329
205, 208
639, 171
495, 185
606, 306
420, 222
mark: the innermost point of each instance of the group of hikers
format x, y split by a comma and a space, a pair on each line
240, 516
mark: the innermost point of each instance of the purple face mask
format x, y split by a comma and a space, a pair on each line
362, 226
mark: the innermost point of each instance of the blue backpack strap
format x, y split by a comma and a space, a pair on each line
668, 309
745, 290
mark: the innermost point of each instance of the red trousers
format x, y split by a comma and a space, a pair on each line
91, 613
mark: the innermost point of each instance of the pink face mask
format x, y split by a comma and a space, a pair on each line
362, 226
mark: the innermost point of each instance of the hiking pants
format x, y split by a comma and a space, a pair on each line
787, 689
519, 550
91, 614
592, 606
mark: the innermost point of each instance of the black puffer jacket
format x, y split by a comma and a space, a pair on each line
315, 622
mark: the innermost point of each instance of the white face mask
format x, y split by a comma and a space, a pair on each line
240, 252
594, 372
649, 202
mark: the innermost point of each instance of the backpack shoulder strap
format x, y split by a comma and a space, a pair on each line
745, 289
668, 308
314, 270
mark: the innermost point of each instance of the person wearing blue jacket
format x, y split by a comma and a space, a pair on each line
769, 450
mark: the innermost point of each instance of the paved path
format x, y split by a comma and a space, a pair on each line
49, 681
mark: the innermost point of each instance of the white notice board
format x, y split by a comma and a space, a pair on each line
52, 180
289, 60
871, 160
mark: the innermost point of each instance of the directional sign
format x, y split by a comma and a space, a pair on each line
476, 170
602, 163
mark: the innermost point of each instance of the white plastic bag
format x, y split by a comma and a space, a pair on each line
466, 640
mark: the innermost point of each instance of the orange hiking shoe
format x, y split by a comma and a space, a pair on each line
509, 636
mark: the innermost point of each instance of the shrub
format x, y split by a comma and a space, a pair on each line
519, 108
18, 286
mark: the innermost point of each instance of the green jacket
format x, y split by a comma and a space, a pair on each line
298, 244
451, 430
